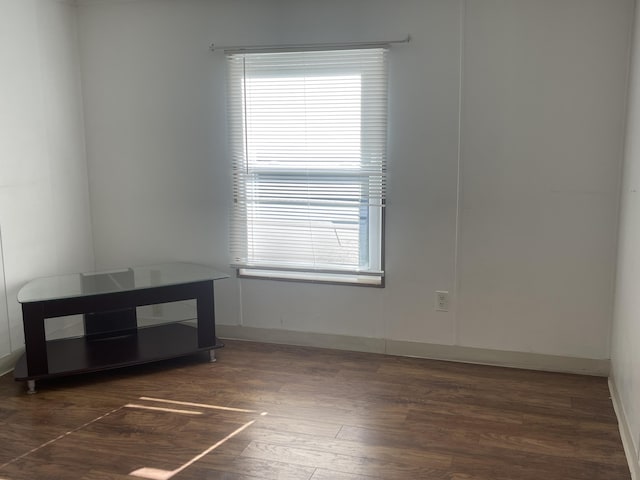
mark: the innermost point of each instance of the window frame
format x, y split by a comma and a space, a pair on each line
373, 273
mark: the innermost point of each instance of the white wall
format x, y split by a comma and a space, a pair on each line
542, 138
44, 208
5, 330
529, 240
625, 348
160, 179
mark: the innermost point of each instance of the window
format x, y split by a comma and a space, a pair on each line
307, 135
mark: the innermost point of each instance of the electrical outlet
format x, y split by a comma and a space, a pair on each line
442, 301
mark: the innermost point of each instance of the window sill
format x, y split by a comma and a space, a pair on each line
314, 277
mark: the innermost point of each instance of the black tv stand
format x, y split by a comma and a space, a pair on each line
112, 336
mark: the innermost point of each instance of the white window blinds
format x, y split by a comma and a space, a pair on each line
308, 146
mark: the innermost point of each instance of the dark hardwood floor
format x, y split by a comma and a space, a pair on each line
293, 413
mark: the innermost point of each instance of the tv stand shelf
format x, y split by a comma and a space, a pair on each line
108, 303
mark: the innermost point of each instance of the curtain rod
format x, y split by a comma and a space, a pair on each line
309, 46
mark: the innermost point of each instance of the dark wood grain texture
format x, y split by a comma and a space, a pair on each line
294, 413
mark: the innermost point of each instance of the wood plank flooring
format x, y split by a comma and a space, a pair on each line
294, 413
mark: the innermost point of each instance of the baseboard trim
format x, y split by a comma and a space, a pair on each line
290, 337
625, 433
530, 361
501, 358
9, 361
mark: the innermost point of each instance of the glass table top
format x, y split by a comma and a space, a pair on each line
134, 278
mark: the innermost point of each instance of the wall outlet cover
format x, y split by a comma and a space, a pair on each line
442, 301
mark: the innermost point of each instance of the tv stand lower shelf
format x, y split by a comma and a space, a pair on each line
70, 356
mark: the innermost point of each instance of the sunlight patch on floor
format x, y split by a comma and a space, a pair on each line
159, 474
162, 409
201, 405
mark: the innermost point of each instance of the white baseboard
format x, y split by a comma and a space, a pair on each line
630, 449
9, 361
290, 337
530, 361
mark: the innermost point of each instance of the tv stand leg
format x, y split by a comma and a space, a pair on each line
31, 387
212, 356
